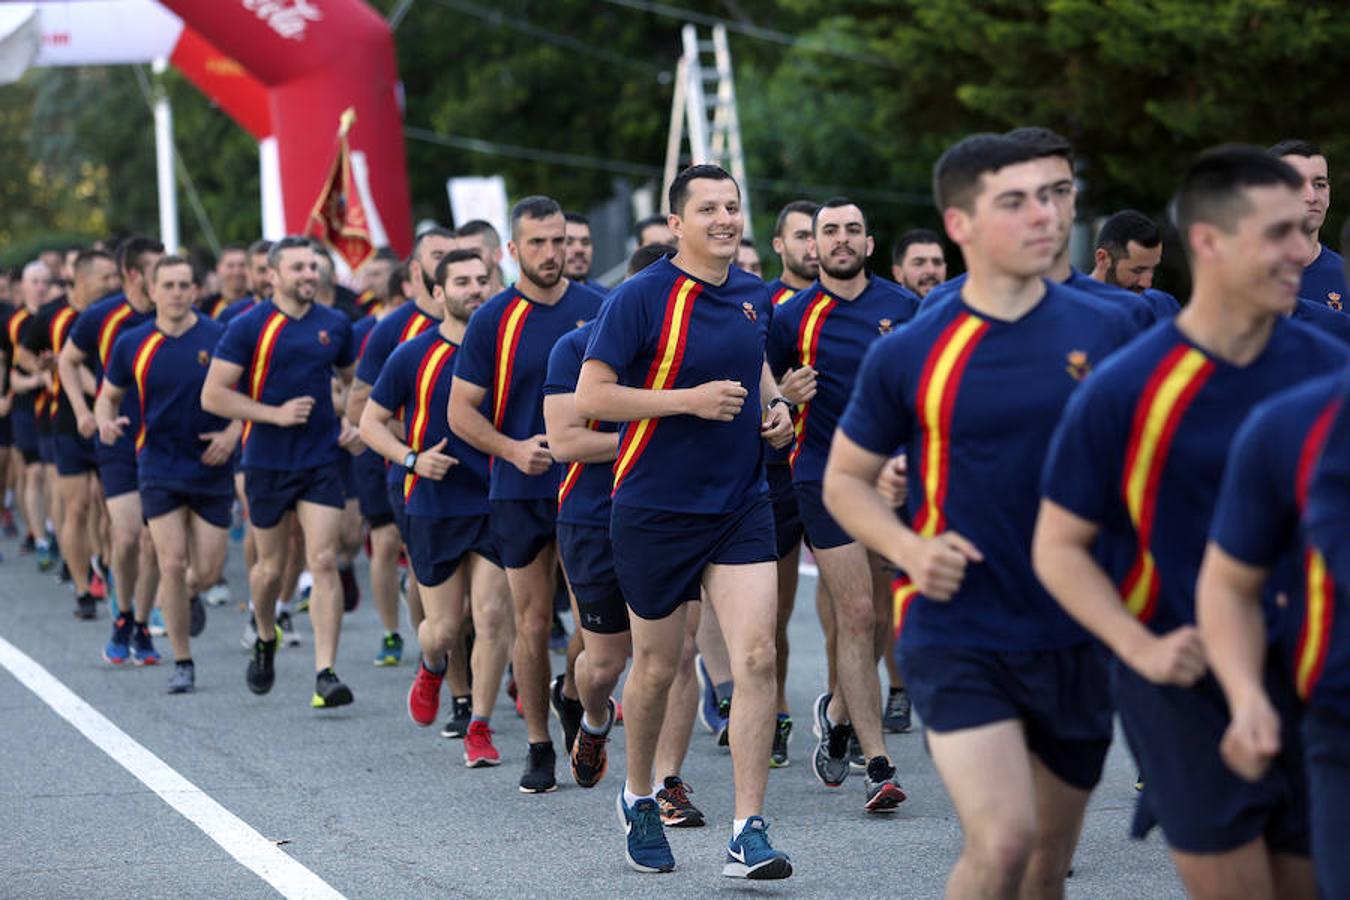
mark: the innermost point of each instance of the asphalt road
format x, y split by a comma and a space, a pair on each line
376, 807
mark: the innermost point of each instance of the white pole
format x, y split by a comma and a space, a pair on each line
168, 195
273, 205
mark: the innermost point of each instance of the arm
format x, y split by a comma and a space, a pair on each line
220, 398
1228, 607
356, 401
1061, 554
106, 406
70, 365
776, 427
600, 396
569, 437
222, 443
430, 463
529, 456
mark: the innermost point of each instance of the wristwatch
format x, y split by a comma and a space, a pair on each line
783, 400
410, 460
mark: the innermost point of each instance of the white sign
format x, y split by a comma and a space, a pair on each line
484, 197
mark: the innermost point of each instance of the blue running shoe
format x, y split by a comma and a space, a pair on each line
709, 715
118, 649
749, 854
647, 849
391, 650
143, 652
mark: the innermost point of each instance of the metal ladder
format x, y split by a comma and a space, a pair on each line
704, 105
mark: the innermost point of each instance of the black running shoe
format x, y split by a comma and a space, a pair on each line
677, 811
724, 725
460, 716
184, 678
196, 615
261, 675
884, 793
63, 576
568, 711
895, 718
86, 607
329, 691
778, 758
589, 759
539, 777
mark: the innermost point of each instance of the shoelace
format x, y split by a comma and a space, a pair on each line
754, 840
678, 794
647, 824
589, 747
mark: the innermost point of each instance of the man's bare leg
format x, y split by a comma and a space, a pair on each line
532, 590
319, 526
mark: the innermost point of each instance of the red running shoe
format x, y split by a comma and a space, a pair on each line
478, 749
424, 697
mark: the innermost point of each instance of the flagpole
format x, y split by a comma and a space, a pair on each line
168, 194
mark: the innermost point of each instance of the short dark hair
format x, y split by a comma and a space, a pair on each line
172, 259
131, 255
85, 258
836, 203
1211, 190
1295, 147
535, 206
1125, 226
644, 256
477, 227
577, 218
805, 207
260, 248
455, 256
678, 194
1043, 142
289, 242
646, 222
231, 248
957, 173
909, 239
434, 231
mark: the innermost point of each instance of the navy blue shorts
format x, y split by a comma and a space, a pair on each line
588, 559
160, 499
6, 431
347, 469
393, 493
46, 442
787, 519
437, 545
273, 492
1326, 740
25, 433
1061, 697
660, 556
74, 455
822, 531
523, 528
117, 472
371, 491
1201, 804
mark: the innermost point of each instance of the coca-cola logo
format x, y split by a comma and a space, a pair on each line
287, 18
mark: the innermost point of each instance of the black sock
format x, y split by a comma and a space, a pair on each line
878, 767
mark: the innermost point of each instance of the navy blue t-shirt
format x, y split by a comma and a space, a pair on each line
94, 333
1164, 304
1142, 447
663, 329
973, 401
506, 350
164, 376
404, 323
1324, 280
1139, 309
583, 494
237, 309
831, 335
284, 358
1323, 318
1327, 522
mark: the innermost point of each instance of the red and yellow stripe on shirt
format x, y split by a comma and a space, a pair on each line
808, 345
15, 325
903, 593
140, 368
424, 385
107, 332
935, 401
783, 296
509, 330
60, 330
1166, 397
663, 371
262, 362
416, 324
573, 473
1319, 588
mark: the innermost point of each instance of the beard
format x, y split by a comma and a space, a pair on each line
801, 269
845, 271
543, 279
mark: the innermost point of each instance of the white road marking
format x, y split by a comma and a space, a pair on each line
249, 848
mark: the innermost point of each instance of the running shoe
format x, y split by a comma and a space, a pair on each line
479, 751
884, 793
424, 696
63, 576
46, 557
830, 761
460, 717
589, 759
118, 649
778, 758
157, 627
7, 523
250, 633
184, 678
724, 719
895, 718
351, 591
86, 607
391, 650
286, 625
708, 714
539, 777
558, 636
329, 691
98, 589
218, 594
261, 674
304, 586
143, 652
568, 711
749, 854
29, 545
677, 810
647, 849
856, 761
196, 615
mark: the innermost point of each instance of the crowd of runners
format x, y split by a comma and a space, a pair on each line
1037, 497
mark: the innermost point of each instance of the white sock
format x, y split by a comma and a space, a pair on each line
737, 826
595, 729
631, 798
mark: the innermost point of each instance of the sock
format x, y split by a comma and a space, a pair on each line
737, 826
483, 719
464, 701
599, 730
445, 663
631, 798
898, 690
723, 691
325, 671
184, 662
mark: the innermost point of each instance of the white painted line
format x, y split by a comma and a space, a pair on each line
249, 848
